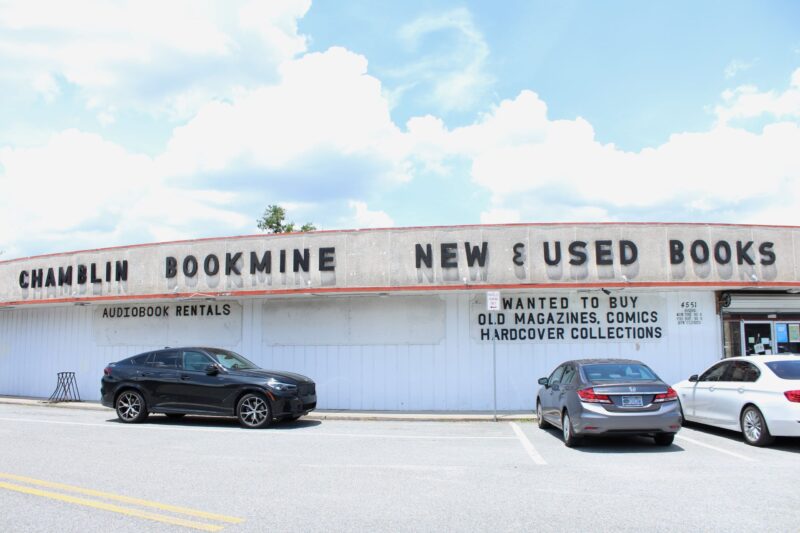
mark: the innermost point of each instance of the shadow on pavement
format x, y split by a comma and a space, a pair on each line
218, 422
786, 444
615, 444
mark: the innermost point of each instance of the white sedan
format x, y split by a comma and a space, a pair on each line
758, 395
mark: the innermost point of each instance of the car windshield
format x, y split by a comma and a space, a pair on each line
231, 360
785, 369
618, 372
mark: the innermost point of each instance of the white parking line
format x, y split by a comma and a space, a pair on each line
297, 432
528, 445
711, 447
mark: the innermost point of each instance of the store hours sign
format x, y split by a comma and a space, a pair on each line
579, 317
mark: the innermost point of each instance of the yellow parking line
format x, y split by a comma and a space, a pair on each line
125, 499
111, 507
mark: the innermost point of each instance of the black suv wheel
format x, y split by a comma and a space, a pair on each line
131, 407
253, 411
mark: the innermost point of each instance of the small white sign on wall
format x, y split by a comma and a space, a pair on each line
493, 300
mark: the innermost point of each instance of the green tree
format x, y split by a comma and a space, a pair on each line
272, 221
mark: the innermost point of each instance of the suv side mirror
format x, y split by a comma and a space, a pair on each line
693, 378
212, 370
543, 381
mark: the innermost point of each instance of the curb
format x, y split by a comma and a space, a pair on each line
394, 416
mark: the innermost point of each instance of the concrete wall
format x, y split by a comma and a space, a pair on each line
386, 260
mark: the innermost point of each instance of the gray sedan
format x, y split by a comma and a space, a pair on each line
608, 397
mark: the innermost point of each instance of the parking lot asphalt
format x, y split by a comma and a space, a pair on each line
79, 470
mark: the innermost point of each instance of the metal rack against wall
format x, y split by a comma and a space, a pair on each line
66, 389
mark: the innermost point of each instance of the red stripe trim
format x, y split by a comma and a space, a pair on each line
407, 228
410, 288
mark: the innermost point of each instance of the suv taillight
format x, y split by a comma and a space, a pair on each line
588, 395
792, 395
107, 371
667, 396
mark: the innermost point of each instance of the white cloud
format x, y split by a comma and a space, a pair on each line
736, 66
72, 185
537, 169
364, 218
747, 102
500, 216
325, 106
146, 53
456, 75
46, 85
81, 191
320, 137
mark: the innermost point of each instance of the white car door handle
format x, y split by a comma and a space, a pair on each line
711, 389
741, 391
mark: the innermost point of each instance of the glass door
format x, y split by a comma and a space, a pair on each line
757, 338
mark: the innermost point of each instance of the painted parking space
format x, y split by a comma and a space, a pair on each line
693, 445
374, 475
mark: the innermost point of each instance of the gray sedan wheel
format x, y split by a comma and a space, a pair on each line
131, 407
570, 439
254, 411
754, 427
540, 421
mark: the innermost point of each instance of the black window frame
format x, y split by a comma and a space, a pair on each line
551, 381
726, 365
567, 370
137, 360
201, 352
151, 361
750, 366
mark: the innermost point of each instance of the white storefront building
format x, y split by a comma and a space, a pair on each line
396, 319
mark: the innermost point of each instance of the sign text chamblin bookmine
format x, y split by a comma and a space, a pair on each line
446, 255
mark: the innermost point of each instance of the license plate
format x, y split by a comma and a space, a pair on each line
632, 401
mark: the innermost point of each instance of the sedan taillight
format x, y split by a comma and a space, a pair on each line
792, 395
588, 395
666, 397
107, 371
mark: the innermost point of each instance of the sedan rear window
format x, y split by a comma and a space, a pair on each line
785, 369
617, 371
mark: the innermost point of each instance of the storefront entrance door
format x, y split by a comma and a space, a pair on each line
757, 338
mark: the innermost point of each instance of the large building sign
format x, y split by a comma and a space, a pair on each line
554, 318
465, 258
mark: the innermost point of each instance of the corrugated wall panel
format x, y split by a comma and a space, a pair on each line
453, 374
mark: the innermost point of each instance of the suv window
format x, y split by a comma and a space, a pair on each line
170, 359
195, 361
716, 372
136, 360
555, 377
743, 371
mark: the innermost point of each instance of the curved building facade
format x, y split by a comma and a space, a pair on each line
398, 319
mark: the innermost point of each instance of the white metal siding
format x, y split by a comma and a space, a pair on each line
452, 374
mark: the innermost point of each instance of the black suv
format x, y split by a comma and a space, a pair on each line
204, 381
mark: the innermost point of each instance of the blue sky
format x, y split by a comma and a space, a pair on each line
129, 122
